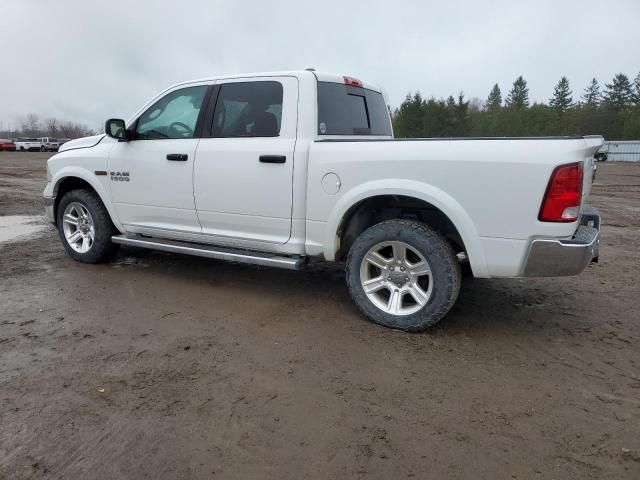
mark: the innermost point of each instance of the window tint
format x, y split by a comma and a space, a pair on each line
248, 109
173, 116
348, 110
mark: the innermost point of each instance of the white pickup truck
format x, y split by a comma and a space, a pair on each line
276, 168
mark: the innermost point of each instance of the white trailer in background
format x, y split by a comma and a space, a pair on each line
621, 151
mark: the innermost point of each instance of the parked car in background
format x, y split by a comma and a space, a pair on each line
49, 144
7, 145
62, 141
27, 144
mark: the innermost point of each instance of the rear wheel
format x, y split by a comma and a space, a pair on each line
85, 227
402, 274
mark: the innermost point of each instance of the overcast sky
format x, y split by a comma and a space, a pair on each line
87, 60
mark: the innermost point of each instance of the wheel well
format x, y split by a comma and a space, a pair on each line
66, 185
377, 209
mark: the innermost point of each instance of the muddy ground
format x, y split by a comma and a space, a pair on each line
163, 366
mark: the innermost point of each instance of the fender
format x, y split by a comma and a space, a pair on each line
409, 188
91, 179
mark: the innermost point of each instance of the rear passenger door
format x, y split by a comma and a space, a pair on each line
244, 163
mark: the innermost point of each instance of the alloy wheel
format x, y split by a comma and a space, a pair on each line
396, 278
78, 227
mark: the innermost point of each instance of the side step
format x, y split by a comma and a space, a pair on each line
210, 251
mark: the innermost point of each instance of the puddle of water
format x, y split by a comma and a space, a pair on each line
18, 228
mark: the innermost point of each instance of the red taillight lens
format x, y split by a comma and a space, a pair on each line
354, 82
562, 200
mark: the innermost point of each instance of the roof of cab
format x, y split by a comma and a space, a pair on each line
320, 76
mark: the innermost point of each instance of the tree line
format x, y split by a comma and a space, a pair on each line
612, 111
31, 126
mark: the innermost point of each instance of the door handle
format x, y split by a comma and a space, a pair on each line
273, 158
177, 157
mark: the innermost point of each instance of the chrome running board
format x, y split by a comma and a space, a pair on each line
210, 251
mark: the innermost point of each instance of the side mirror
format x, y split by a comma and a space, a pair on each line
115, 128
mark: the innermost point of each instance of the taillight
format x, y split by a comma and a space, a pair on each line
562, 199
354, 82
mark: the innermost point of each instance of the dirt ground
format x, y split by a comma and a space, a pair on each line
163, 366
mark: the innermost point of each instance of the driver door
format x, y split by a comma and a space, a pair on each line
152, 175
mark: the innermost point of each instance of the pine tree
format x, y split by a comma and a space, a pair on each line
408, 119
591, 95
562, 99
462, 116
519, 95
494, 100
619, 93
636, 87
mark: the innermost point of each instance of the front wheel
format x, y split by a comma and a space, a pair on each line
85, 227
402, 274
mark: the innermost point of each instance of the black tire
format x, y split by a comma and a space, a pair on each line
601, 157
22, 149
438, 252
102, 248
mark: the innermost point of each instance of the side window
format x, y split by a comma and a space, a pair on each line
173, 116
248, 109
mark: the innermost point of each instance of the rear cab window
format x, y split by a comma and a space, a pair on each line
351, 110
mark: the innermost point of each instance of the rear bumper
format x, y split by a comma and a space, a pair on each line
557, 258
